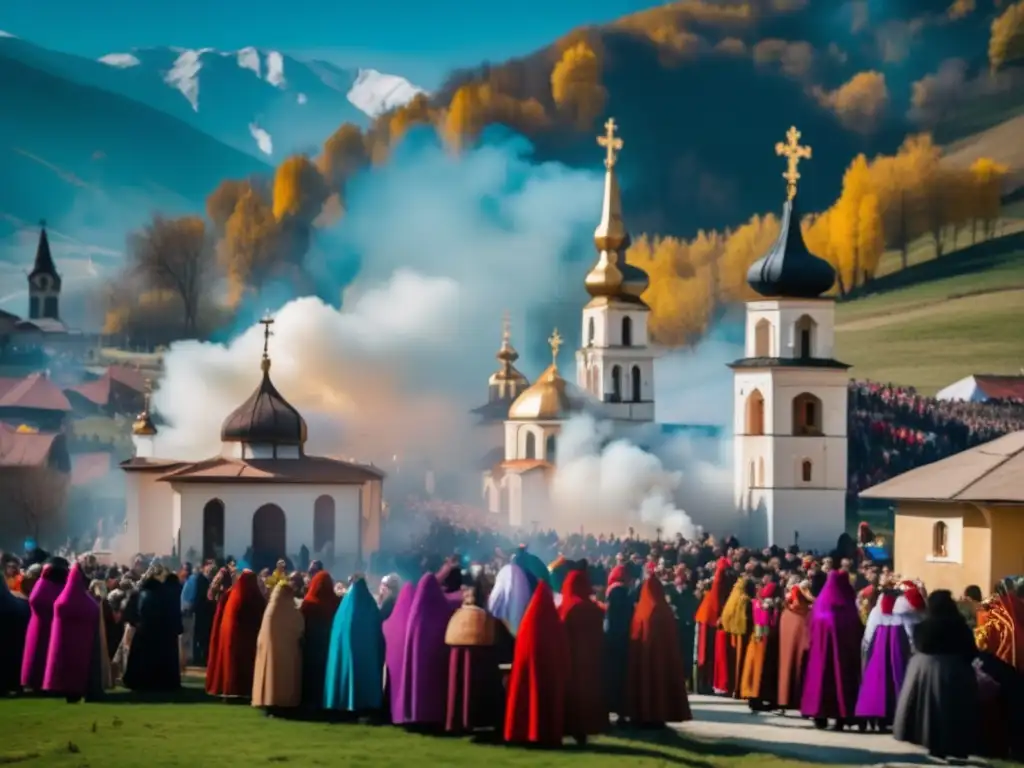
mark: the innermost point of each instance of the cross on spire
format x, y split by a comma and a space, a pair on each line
555, 340
266, 321
794, 153
506, 327
611, 142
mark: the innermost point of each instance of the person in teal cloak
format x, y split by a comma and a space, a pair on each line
355, 660
684, 605
532, 564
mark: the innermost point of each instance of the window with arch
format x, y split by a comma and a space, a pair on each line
806, 330
635, 383
755, 413
530, 451
760, 470
753, 475
763, 338
213, 530
616, 384
591, 332
549, 448
807, 415
627, 332
806, 470
323, 522
940, 540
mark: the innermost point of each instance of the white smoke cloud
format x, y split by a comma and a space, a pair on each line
445, 245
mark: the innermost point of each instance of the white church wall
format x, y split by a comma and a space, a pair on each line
782, 317
148, 508
818, 516
296, 501
606, 323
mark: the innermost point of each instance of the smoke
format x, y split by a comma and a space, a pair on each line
441, 245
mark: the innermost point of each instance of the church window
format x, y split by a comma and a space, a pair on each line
531, 446
213, 530
760, 471
549, 448
940, 540
616, 384
755, 413
806, 470
805, 332
627, 332
33, 307
50, 307
635, 375
807, 415
591, 332
753, 475
269, 527
323, 524
763, 339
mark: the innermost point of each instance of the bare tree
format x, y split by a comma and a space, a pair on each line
35, 498
175, 255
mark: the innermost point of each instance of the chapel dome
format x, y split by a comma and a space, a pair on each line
545, 400
143, 425
789, 270
265, 418
634, 281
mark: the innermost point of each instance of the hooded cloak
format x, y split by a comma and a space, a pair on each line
887, 648
793, 645
14, 618
618, 622
708, 615
233, 660
510, 597
318, 609
732, 638
586, 709
355, 662
153, 663
37, 637
761, 664
833, 658
73, 637
395, 629
425, 664
277, 674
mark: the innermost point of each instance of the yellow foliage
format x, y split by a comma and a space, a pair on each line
961, 9
576, 84
987, 177
249, 248
344, 153
1006, 43
870, 235
220, 203
859, 103
477, 105
299, 189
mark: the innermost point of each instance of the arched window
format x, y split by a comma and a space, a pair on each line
323, 524
531, 446
755, 413
504, 503
806, 415
616, 384
760, 470
591, 332
753, 475
627, 332
805, 332
268, 535
763, 339
213, 530
940, 540
635, 376
806, 470
549, 448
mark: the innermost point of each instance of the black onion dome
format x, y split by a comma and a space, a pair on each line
789, 270
265, 417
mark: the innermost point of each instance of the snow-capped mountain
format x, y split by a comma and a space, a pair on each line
264, 102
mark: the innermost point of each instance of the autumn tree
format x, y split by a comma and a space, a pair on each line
1006, 43
344, 153
299, 189
987, 177
249, 249
220, 203
463, 119
960, 9
845, 223
175, 255
870, 236
576, 85
859, 103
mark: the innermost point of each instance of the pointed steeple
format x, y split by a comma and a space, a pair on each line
507, 382
44, 259
144, 426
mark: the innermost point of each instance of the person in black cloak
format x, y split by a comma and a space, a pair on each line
14, 616
938, 704
153, 663
618, 620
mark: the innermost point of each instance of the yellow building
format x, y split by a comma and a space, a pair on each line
960, 521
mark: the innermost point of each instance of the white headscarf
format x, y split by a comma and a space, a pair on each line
510, 597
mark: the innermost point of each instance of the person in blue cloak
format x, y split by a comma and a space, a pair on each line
355, 661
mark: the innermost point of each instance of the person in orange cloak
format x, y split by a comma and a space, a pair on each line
233, 658
656, 683
708, 615
586, 712
535, 711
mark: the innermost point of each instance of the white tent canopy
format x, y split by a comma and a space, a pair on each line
979, 388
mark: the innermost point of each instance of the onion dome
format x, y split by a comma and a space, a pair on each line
610, 237
546, 399
789, 270
634, 281
507, 377
143, 425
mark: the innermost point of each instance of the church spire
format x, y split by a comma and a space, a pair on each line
610, 237
44, 259
507, 381
144, 426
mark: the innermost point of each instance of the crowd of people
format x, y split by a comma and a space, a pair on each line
611, 631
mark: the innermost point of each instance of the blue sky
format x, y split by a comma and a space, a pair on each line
421, 40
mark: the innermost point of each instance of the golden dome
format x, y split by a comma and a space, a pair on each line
545, 400
634, 281
507, 355
143, 425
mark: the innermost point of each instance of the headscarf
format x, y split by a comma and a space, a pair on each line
510, 597
320, 601
710, 610
736, 612
618, 575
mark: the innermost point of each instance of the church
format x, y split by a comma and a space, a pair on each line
262, 498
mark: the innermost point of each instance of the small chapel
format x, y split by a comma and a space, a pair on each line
790, 393
261, 499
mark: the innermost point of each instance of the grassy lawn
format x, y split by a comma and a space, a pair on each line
194, 730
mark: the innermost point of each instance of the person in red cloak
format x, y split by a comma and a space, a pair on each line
586, 713
233, 658
656, 692
219, 588
535, 711
708, 615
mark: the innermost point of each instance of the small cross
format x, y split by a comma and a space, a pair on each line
555, 340
266, 322
506, 327
611, 142
793, 153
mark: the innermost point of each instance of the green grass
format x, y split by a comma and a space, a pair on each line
194, 730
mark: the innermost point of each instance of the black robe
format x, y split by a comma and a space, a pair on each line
618, 620
202, 610
316, 645
153, 661
14, 617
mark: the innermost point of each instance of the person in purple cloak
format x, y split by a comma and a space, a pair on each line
833, 658
425, 665
37, 637
394, 629
76, 619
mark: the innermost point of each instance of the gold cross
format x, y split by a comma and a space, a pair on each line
266, 322
555, 340
793, 153
506, 327
611, 142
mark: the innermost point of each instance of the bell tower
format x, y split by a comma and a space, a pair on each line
790, 393
43, 282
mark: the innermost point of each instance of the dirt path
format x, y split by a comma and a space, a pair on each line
924, 309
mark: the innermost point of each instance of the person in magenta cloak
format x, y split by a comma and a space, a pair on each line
355, 658
394, 652
833, 658
73, 639
37, 638
450, 579
14, 618
425, 665
887, 647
